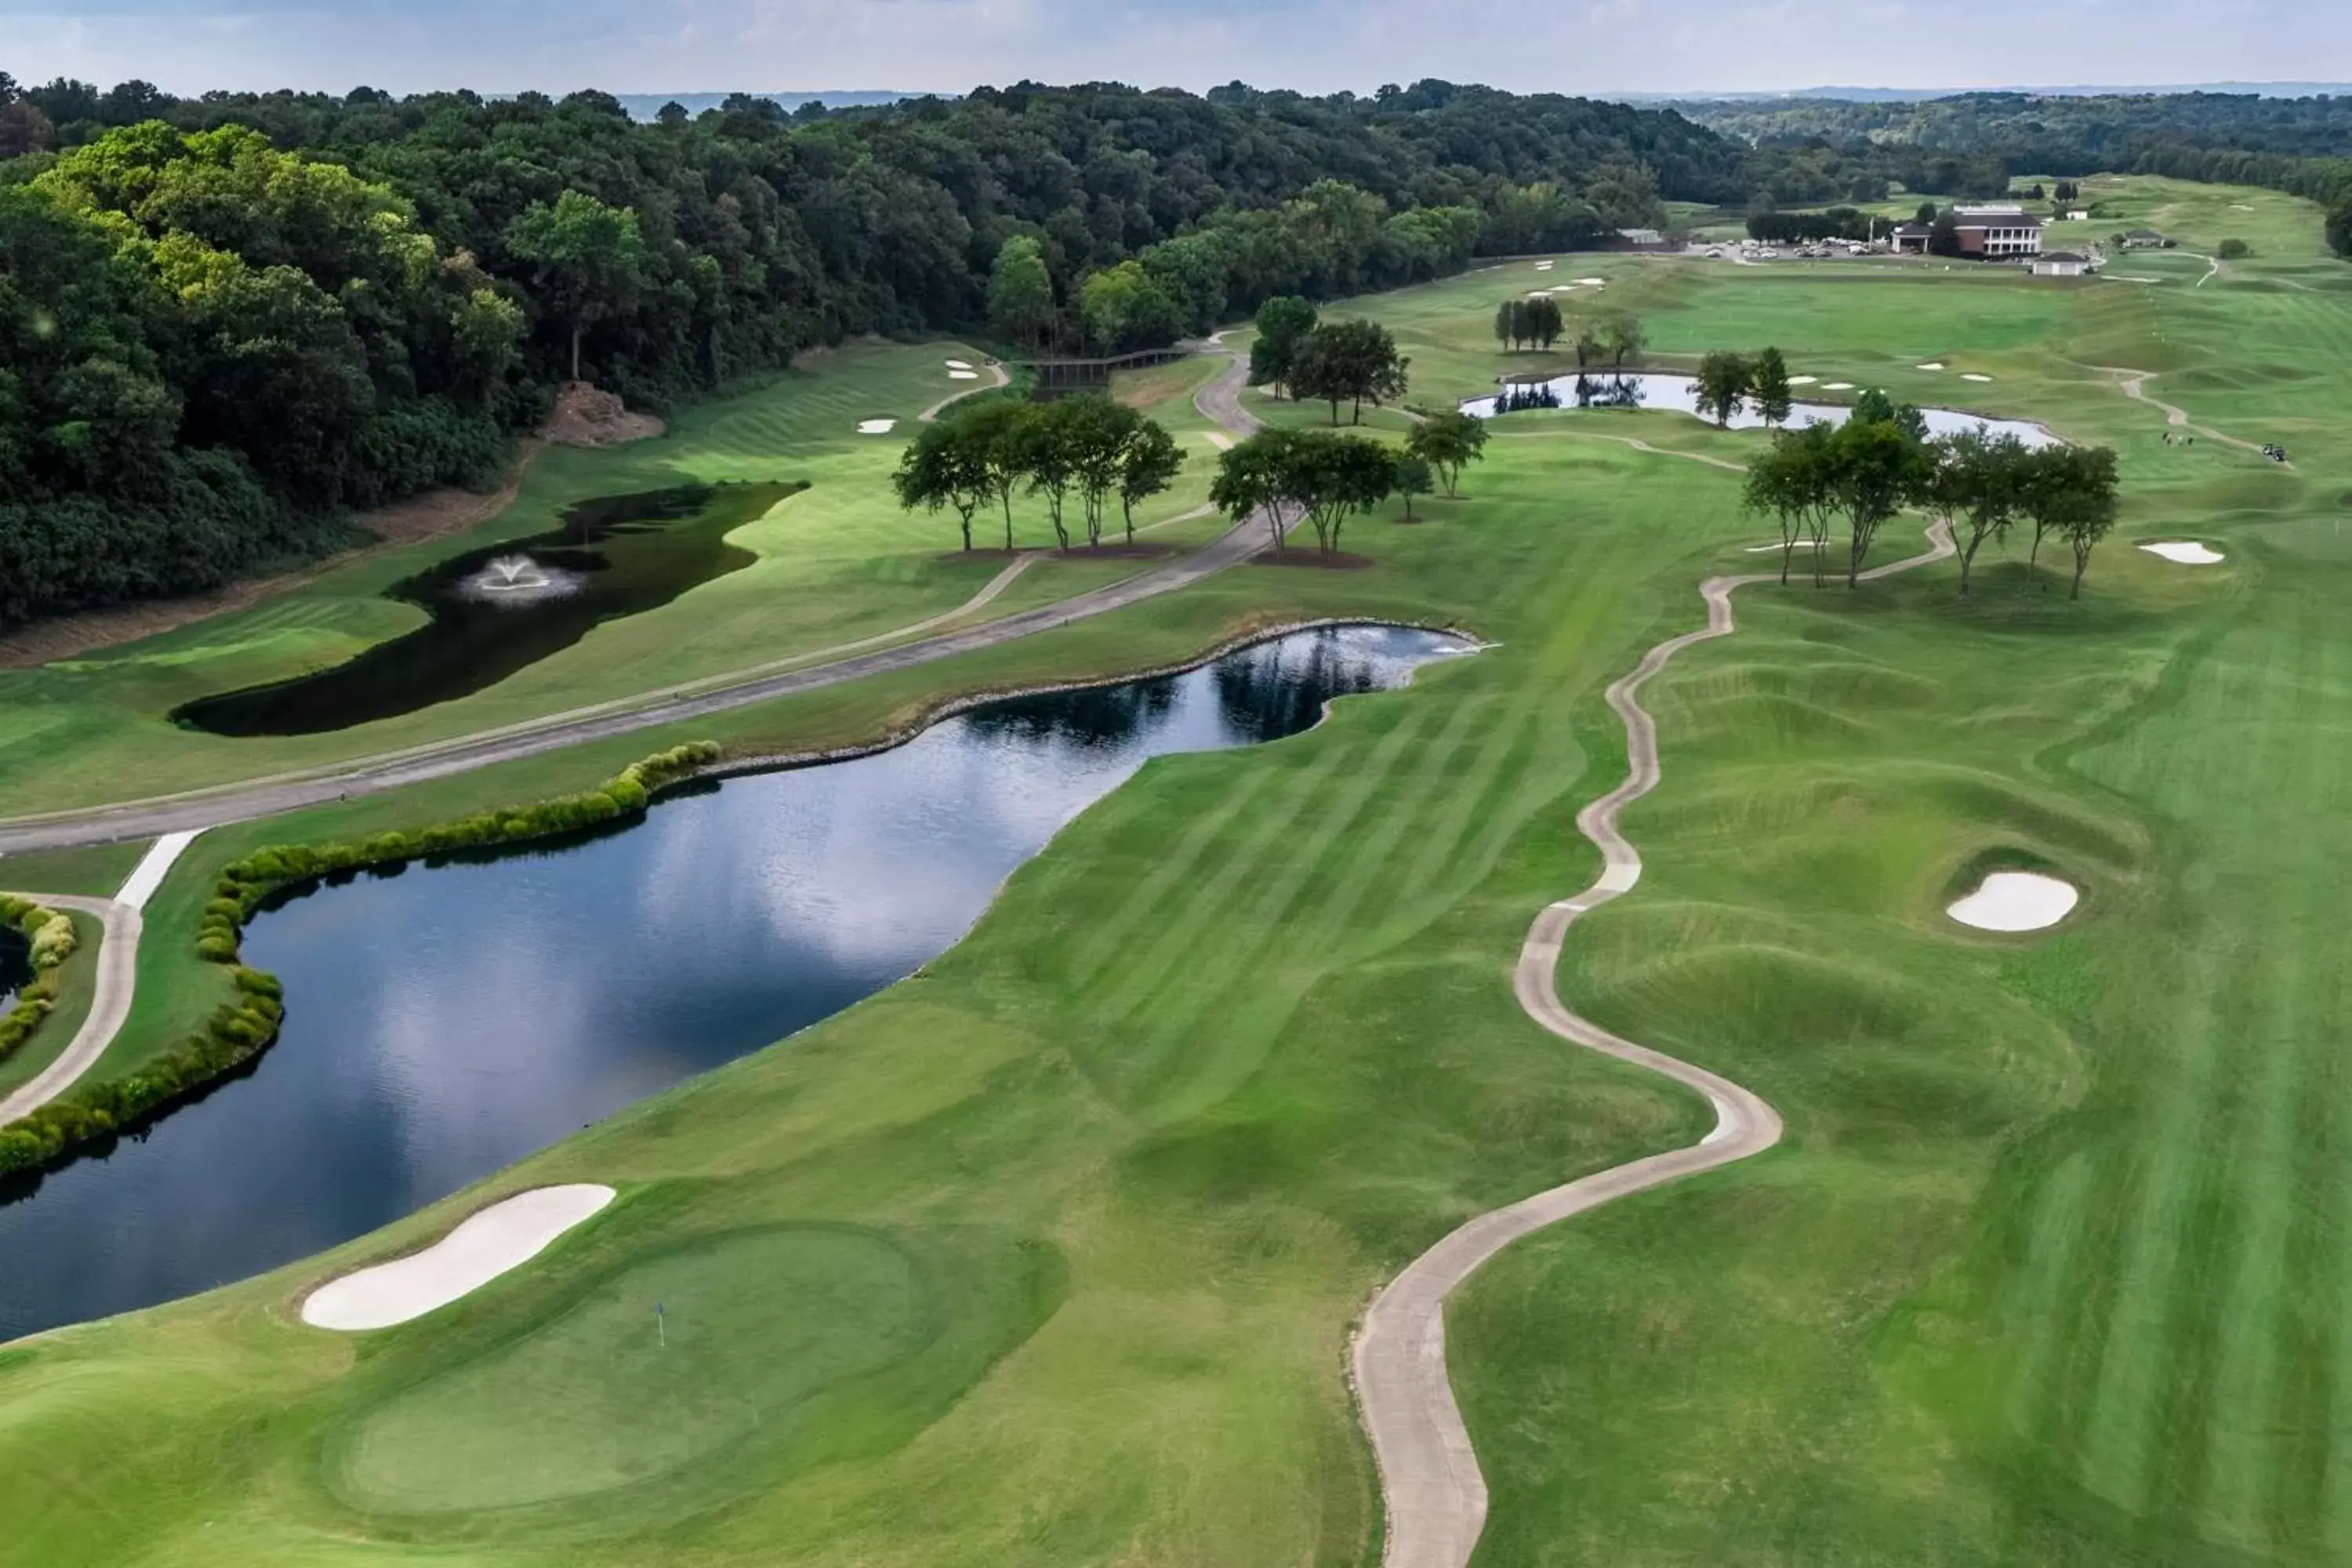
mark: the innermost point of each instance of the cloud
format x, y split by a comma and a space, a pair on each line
1597, 47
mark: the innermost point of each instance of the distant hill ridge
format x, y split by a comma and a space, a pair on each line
645, 105
1927, 94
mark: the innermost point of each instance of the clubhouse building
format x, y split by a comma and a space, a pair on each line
1986, 234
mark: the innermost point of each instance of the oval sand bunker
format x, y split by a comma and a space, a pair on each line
2186, 552
484, 1246
2016, 900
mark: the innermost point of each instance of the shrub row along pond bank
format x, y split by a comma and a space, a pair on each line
240, 1029
52, 937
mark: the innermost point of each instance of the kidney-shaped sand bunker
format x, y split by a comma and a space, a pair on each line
2016, 900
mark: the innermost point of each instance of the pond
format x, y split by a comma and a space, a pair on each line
499, 609
1643, 389
446, 1020
16, 964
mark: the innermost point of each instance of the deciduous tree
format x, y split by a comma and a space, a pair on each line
1020, 291
1768, 383
1148, 466
1350, 362
1412, 478
1720, 388
943, 467
2088, 512
1449, 439
1283, 324
589, 258
1621, 336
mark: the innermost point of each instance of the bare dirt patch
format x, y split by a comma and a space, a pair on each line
588, 417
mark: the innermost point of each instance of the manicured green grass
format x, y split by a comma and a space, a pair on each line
838, 563
2048, 1271
95, 872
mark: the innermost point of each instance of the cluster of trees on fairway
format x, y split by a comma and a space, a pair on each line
1978, 485
240, 1029
1324, 477
50, 940
1090, 448
1538, 320
1352, 362
1728, 381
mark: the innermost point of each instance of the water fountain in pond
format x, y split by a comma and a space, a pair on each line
517, 579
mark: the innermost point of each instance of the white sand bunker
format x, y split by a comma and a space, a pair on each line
959, 364
1593, 283
1971, 375
963, 375
1543, 266
876, 427
1802, 380
1839, 386
1933, 365
485, 1245
2016, 900
2186, 552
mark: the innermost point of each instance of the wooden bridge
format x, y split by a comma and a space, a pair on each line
1056, 375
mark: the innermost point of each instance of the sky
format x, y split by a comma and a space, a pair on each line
1592, 46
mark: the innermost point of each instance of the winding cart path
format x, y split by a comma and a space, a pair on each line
1435, 1495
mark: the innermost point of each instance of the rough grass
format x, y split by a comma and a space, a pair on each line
2048, 1271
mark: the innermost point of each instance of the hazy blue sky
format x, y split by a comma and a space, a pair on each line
1574, 46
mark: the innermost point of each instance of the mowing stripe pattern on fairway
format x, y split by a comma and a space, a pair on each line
1436, 1498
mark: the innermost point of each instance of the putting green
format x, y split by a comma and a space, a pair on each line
606, 1393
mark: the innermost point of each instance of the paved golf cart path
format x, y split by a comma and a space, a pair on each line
118, 971
2134, 383
999, 377
1429, 1474
198, 810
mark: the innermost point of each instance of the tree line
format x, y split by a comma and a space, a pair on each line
1089, 448
1978, 486
1323, 477
226, 320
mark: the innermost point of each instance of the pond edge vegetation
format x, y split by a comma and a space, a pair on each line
53, 938
240, 1029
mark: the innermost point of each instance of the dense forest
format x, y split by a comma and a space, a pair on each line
226, 321
1970, 143
223, 320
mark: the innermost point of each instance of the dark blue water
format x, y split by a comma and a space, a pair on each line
446, 1021
16, 965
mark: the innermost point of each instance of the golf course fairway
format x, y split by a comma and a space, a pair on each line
1052, 1253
